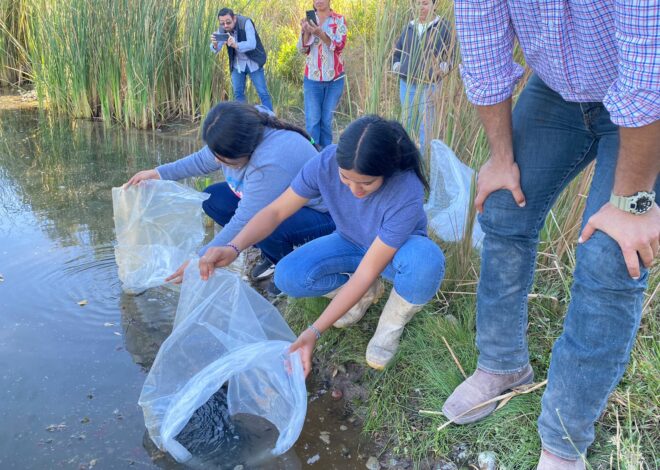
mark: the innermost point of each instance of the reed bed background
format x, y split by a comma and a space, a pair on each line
143, 63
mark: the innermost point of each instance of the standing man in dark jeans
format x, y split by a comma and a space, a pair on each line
247, 55
594, 95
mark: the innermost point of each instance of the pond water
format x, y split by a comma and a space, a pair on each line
75, 350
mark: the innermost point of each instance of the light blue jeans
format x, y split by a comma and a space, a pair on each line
417, 107
258, 80
554, 141
323, 265
321, 99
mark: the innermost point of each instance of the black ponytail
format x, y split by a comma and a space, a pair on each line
233, 129
274, 122
374, 146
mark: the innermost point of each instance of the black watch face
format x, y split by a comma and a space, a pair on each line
643, 204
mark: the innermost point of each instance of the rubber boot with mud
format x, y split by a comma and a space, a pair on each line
385, 342
357, 311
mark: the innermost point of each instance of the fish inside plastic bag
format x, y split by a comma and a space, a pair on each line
158, 225
449, 199
224, 333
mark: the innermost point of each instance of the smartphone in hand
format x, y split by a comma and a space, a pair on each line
311, 17
221, 37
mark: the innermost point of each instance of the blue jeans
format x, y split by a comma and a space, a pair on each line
554, 141
258, 80
323, 265
417, 107
302, 227
321, 99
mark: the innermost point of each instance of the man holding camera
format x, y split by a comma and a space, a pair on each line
247, 55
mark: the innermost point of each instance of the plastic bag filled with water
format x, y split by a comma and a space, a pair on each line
224, 333
159, 225
449, 199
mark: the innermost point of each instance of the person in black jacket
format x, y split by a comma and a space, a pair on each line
247, 55
421, 58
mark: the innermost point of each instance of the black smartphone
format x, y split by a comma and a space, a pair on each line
311, 17
220, 37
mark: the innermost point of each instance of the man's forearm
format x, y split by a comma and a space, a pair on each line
638, 164
496, 120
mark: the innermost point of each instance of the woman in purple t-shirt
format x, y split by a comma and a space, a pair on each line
373, 186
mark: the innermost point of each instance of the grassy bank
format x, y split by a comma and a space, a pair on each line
143, 63
425, 373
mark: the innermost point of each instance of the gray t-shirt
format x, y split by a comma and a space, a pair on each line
394, 212
272, 166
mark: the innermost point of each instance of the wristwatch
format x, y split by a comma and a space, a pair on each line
639, 203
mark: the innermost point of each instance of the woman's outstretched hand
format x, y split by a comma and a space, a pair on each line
142, 176
305, 344
177, 276
216, 257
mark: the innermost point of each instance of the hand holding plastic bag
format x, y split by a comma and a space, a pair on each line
158, 225
224, 332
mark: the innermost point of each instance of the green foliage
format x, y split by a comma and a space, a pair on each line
288, 62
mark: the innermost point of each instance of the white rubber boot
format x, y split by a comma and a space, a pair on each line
385, 342
357, 311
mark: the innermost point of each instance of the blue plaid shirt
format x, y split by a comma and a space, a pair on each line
587, 51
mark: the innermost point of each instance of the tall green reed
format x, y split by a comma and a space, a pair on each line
14, 66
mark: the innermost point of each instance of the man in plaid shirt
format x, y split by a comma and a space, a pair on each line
594, 95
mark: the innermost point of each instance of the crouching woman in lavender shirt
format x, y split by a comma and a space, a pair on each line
373, 185
259, 155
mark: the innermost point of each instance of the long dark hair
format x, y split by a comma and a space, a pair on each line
233, 129
374, 146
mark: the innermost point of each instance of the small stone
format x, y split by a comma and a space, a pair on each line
445, 466
336, 394
460, 454
487, 461
343, 428
345, 451
392, 463
449, 318
325, 437
238, 467
313, 459
373, 463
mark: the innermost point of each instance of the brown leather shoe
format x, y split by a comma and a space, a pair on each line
550, 461
478, 388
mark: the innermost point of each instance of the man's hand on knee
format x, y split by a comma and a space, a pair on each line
637, 235
495, 175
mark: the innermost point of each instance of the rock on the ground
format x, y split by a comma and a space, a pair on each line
487, 461
313, 459
445, 466
373, 463
325, 437
460, 454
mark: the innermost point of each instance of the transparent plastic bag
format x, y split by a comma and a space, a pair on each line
224, 332
158, 225
448, 204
